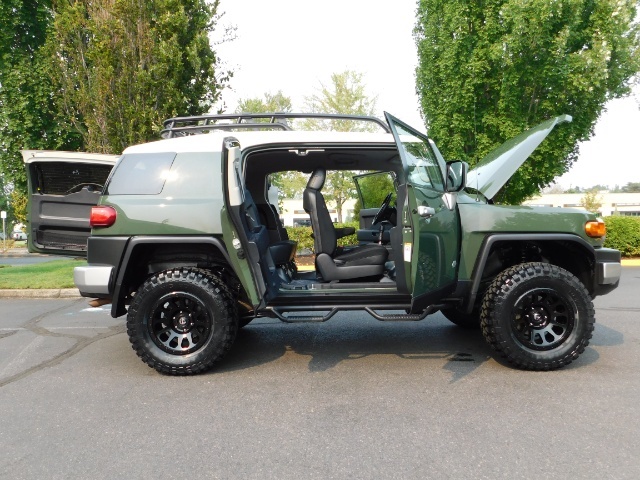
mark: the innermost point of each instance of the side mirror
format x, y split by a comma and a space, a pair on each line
456, 175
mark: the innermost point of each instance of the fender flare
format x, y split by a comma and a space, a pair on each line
492, 239
117, 306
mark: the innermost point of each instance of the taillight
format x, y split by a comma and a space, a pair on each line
595, 228
102, 216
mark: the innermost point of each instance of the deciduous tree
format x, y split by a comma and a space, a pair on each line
592, 202
290, 184
30, 115
272, 102
127, 65
345, 95
489, 70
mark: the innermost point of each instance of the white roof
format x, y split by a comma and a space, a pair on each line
212, 142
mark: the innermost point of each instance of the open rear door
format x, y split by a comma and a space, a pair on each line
63, 186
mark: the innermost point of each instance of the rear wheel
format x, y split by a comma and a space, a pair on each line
538, 316
182, 321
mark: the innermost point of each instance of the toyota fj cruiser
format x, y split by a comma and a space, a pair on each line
185, 233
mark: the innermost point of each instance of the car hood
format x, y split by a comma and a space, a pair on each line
496, 168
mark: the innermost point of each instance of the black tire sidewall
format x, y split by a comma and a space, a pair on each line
202, 287
501, 313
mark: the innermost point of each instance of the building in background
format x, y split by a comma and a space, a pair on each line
610, 203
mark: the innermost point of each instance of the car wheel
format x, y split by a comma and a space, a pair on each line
182, 321
538, 316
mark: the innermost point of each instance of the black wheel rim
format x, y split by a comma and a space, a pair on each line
543, 319
180, 323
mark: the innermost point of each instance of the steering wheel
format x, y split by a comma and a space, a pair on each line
384, 210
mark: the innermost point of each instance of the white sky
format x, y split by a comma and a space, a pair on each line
293, 45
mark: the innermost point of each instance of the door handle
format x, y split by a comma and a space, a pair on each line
425, 212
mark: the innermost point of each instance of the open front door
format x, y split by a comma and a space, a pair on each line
428, 217
63, 186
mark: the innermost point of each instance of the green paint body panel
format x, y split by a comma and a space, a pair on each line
189, 203
479, 220
435, 249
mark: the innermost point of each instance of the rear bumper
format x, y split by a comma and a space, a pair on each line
93, 280
608, 270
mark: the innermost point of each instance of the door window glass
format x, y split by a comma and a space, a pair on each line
374, 187
421, 163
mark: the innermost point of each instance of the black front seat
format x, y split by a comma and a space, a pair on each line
358, 262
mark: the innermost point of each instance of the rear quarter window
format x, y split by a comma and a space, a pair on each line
140, 174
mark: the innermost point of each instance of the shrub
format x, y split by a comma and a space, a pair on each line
302, 235
623, 233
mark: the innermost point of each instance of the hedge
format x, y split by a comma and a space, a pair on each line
623, 233
302, 235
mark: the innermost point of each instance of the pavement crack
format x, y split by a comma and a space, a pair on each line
82, 343
8, 334
32, 324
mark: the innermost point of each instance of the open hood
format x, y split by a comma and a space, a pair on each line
496, 168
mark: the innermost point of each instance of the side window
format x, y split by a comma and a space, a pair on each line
140, 174
374, 187
423, 166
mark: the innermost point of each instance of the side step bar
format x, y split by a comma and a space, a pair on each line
280, 313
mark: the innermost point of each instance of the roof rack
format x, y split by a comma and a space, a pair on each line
183, 126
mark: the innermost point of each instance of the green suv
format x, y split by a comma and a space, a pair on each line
184, 236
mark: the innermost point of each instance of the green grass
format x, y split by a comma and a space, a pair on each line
55, 274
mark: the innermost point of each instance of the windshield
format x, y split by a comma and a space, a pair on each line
417, 153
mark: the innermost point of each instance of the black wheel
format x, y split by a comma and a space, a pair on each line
182, 321
463, 319
538, 316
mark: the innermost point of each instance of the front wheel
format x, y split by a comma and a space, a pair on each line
538, 316
182, 321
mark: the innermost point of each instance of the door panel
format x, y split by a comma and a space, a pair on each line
63, 186
243, 231
430, 228
366, 216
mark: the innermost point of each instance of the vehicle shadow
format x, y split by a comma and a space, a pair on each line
347, 339
604, 336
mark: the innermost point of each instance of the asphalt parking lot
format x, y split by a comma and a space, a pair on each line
351, 398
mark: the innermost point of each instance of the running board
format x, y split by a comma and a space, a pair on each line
280, 313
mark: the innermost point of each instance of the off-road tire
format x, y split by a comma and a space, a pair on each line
182, 321
537, 316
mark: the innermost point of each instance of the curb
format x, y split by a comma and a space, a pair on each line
40, 293
631, 262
